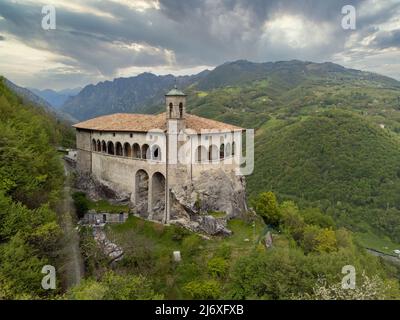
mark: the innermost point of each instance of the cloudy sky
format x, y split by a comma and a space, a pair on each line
97, 40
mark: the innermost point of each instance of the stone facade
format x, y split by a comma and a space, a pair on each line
169, 173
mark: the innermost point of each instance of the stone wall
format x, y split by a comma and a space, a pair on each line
84, 155
180, 191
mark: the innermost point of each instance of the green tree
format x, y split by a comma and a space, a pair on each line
266, 206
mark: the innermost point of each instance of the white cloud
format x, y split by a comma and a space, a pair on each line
296, 32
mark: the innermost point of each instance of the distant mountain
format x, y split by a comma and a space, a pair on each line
56, 98
238, 91
29, 97
289, 73
134, 94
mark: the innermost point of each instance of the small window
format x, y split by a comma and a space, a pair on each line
113, 134
131, 135
171, 107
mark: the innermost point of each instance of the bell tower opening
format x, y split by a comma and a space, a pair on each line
176, 104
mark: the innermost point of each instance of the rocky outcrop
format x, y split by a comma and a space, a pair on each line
214, 190
204, 224
110, 249
97, 190
191, 204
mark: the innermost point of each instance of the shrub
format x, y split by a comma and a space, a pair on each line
81, 203
224, 251
292, 221
266, 206
203, 289
316, 217
191, 244
217, 267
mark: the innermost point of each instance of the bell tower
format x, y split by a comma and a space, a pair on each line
176, 108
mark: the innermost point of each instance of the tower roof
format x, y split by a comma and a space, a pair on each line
175, 93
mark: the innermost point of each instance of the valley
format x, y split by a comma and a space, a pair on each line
326, 145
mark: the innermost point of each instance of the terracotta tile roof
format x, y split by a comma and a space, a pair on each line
146, 122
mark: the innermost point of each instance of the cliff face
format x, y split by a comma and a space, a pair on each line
215, 191
203, 205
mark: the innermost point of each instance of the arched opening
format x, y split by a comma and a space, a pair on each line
158, 196
110, 148
94, 145
222, 151
171, 109
136, 151
213, 153
181, 110
233, 148
145, 151
118, 149
201, 154
98, 146
103, 146
127, 150
228, 149
142, 192
156, 153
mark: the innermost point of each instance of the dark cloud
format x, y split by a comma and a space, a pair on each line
387, 39
191, 33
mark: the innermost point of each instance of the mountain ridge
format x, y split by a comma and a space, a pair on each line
144, 93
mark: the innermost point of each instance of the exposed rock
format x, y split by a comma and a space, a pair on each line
110, 249
214, 190
97, 190
205, 224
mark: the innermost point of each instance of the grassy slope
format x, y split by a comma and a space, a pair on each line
149, 246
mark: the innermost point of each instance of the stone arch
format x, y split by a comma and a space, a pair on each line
171, 108
213, 153
136, 151
158, 196
94, 145
142, 192
222, 151
201, 154
103, 146
127, 150
156, 153
99, 146
145, 151
118, 149
110, 147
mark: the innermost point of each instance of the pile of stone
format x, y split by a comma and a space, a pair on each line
110, 249
205, 224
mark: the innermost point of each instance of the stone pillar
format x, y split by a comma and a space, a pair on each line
150, 197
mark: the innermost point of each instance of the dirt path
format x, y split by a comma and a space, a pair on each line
73, 267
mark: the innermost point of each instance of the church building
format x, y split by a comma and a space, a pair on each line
162, 160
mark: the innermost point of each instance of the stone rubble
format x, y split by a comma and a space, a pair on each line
110, 249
